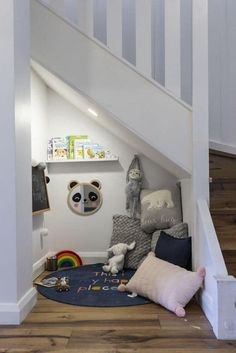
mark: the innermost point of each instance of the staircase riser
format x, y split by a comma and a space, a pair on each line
227, 242
217, 203
223, 199
220, 186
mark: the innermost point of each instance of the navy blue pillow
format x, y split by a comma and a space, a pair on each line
174, 250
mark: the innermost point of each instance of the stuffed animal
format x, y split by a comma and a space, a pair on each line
133, 188
116, 263
63, 284
39, 165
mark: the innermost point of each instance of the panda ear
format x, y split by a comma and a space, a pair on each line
96, 183
72, 183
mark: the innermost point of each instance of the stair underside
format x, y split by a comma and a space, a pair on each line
223, 205
133, 101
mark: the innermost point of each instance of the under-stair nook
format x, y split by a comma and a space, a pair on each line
154, 72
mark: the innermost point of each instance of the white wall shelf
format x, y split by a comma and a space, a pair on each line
82, 160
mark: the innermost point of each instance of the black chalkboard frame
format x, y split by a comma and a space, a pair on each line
40, 206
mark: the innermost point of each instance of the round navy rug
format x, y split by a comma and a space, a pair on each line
90, 286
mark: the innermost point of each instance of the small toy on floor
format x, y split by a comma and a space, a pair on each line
116, 263
63, 284
52, 281
48, 282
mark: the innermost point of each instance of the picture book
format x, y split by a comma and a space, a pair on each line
72, 139
78, 149
93, 151
60, 147
50, 150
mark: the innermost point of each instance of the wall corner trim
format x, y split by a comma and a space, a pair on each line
15, 313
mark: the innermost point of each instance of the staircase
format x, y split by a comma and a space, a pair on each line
223, 204
135, 101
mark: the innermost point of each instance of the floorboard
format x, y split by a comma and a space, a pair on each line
54, 327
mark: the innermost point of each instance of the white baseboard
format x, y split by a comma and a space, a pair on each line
93, 257
39, 266
14, 313
222, 147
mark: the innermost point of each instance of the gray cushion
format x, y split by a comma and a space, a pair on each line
126, 230
152, 217
178, 231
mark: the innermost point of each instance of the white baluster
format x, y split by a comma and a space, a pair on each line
200, 137
186, 50
114, 26
100, 20
158, 41
85, 16
71, 10
129, 30
58, 6
143, 36
172, 46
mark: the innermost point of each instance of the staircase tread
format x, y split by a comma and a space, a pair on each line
229, 231
223, 210
230, 261
227, 246
223, 179
222, 168
221, 154
223, 193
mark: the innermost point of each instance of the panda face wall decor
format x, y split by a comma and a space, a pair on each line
84, 198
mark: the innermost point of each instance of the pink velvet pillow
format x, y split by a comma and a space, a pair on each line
164, 283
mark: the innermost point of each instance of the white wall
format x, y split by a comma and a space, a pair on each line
222, 74
39, 126
39, 120
17, 296
89, 233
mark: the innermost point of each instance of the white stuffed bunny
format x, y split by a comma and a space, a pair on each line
116, 263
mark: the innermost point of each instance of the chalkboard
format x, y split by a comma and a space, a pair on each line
39, 191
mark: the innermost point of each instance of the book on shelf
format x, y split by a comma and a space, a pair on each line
93, 151
78, 149
50, 150
71, 144
59, 148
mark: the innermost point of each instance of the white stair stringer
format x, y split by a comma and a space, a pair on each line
140, 105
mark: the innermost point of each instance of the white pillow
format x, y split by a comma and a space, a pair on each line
164, 283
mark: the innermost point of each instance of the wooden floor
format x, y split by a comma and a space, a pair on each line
55, 327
